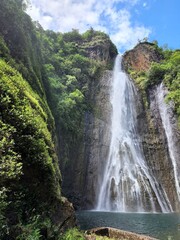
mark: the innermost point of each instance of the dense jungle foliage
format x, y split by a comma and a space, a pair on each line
44, 80
69, 72
29, 172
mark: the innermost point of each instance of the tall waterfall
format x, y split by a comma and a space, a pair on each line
127, 183
165, 112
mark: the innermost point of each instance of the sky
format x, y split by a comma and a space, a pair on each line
125, 21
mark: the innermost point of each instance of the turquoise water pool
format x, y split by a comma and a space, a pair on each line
162, 226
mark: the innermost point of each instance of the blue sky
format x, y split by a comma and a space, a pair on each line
163, 17
126, 21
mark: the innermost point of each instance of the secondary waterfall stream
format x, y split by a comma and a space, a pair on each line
165, 112
127, 183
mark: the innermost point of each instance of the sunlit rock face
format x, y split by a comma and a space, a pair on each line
141, 57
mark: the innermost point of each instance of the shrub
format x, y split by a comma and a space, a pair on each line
73, 234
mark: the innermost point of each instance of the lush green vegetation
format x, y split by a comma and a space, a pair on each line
70, 72
73, 234
72, 67
29, 173
166, 71
19, 42
27, 152
40, 70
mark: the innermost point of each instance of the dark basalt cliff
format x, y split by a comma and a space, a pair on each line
100, 49
81, 177
97, 138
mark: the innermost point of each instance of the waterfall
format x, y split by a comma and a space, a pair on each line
127, 183
165, 113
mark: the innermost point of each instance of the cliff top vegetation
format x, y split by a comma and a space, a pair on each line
156, 66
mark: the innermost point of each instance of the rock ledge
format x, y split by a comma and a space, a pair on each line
117, 234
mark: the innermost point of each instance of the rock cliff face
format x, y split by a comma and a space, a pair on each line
100, 51
141, 57
151, 128
97, 138
64, 216
82, 175
155, 144
100, 48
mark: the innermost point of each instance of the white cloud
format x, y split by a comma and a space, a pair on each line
104, 15
125, 34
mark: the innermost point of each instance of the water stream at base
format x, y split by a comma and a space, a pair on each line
127, 183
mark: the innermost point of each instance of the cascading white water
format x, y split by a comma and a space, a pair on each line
127, 184
165, 111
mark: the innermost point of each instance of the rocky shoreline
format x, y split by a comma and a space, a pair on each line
114, 233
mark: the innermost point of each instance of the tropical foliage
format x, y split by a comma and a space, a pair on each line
70, 72
39, 70
166, 71
27, 150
